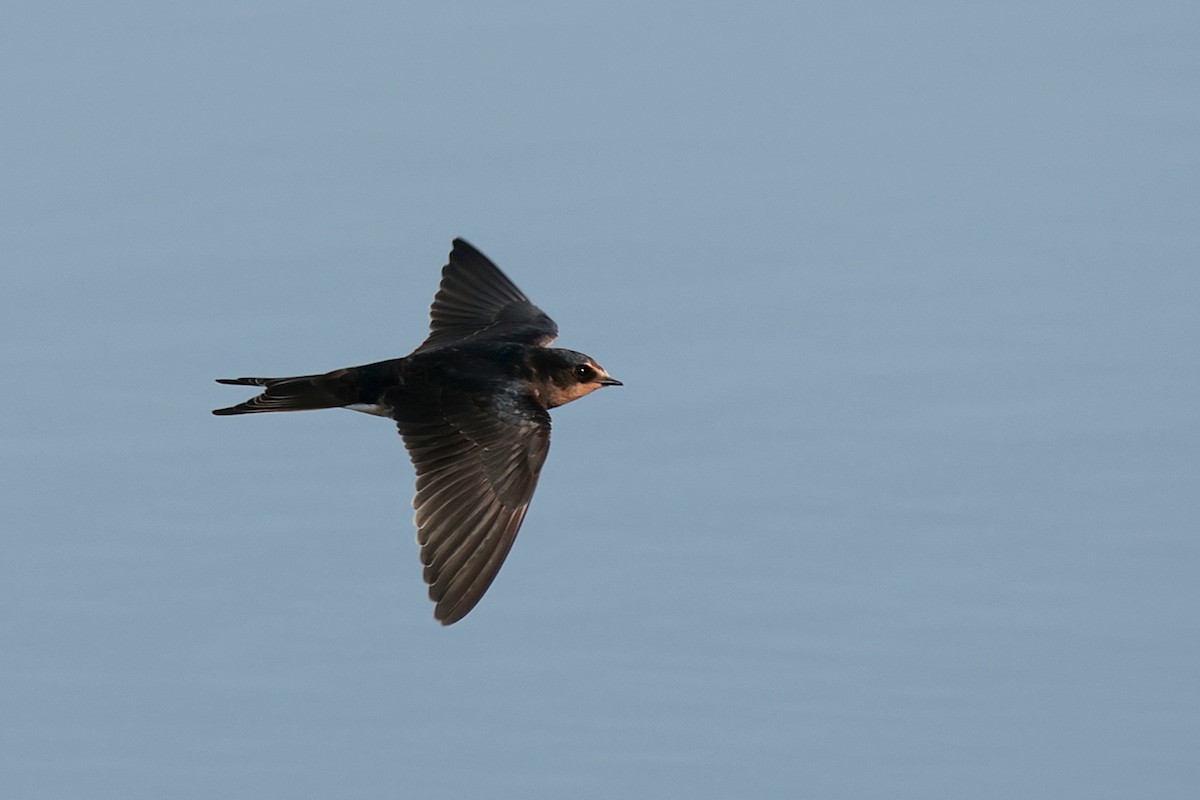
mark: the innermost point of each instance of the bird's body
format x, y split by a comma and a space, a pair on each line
471, 404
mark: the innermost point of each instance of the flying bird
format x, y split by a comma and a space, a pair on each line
471, 405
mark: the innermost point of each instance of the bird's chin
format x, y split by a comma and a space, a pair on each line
555, 396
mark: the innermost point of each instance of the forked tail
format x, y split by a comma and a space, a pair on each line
301, 393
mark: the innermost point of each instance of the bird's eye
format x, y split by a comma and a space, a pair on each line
584, 373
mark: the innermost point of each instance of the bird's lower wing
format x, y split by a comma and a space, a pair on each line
477, 467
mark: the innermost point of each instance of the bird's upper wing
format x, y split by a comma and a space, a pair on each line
476, 301
477, 464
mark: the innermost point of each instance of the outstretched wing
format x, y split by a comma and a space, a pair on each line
477, 466
476, 301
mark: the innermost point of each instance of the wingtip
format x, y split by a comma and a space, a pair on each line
461, 247
449, 613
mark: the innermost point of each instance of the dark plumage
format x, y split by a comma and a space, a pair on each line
471, 404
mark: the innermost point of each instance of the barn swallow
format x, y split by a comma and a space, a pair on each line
471, 405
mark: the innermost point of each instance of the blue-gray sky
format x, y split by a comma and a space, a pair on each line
899, 499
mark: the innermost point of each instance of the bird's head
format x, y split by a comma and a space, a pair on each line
565, 375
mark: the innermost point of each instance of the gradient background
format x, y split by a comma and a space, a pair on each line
901, 496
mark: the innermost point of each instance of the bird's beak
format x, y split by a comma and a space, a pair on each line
607, 381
